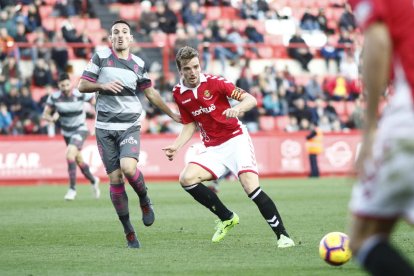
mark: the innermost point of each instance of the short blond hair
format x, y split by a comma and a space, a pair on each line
185, 53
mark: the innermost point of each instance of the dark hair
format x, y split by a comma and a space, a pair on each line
121, 21
63, 76
185, 53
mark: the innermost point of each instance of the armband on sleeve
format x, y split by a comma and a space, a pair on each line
237, 93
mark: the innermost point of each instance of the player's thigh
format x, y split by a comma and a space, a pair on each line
129, 143
194, 173
239, 155
210, 159
108, 149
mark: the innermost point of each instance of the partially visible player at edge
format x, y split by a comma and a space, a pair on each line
67, 105
203, 103
385, 190
118, 76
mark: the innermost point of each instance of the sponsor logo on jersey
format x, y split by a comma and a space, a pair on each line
130, 140
206, 110
186, 101
207, 95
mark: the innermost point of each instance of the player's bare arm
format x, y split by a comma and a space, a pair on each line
155, 98
86, 86
48, 116
185, 135
247, 102
375, 71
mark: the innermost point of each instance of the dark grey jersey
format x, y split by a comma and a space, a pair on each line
71, 111
122, 110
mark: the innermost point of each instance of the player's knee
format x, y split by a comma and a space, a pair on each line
129, 170
187, 180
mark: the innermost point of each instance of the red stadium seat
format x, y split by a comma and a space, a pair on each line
213, 13
45, 11
281, 122
37, 92
267, 123
93, 24
128, 12
49, 23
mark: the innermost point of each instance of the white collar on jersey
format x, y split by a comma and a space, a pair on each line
184, 88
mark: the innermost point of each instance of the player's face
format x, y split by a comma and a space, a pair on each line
65, 86
121, 37
190, 71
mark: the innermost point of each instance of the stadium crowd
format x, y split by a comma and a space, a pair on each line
290, 101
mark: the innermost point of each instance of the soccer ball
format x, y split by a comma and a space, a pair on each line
334, 248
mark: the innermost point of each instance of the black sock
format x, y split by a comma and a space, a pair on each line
381, 259
72, 174
137, 183
209, 199
119, 199
269, 211
86, 172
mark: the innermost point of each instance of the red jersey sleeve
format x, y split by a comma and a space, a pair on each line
368, 11
225, 87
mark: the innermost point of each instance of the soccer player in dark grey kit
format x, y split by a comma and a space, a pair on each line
118, 76
68, 106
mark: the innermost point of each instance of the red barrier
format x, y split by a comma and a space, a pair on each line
40, 159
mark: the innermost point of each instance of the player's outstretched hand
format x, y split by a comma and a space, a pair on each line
170, 152
231, 113
113, 86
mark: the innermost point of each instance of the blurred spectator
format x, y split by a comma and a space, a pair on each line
6, 21
60, 53
292, 125
33, 19
224, 53
207, 40
167, 20
331, 112
83, 52
309, 21
29, 106
344, 44
356, 119
42, 101
347, 20
249, 9
42, 75
84, 8
338, 88
301, 110
5, 119
63, 8
148, 21
267, 80
252, 34
192, 37
329, 52
314, 89
272, 104
12, 71
246, 81
299, 51
324, 124
39, 49
20, 37
13, 102
323, 22
251, 117
181, 39
192, 16
69, 31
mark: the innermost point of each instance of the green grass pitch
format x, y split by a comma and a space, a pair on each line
41, 234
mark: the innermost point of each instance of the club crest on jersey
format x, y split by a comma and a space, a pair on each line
207, 95
136, 68
110, 62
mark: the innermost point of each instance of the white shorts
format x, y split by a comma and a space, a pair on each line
388, 190
236, 155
